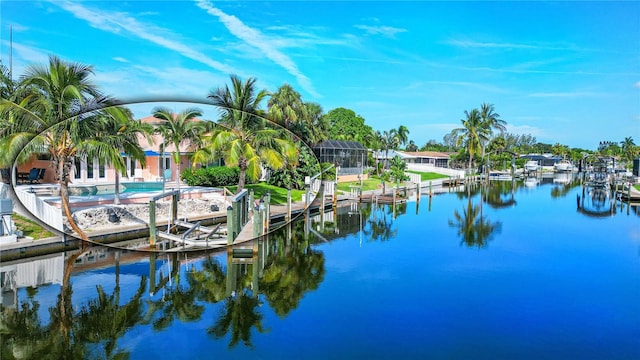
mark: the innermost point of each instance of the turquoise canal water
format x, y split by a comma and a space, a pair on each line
544, 271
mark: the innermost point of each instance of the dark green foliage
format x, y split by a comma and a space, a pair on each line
212, 176
344, 124
294, 177
329, 174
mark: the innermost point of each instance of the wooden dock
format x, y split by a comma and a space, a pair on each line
279, 216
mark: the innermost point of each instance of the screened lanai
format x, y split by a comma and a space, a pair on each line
350, 156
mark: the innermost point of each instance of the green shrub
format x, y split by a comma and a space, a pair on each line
212, 176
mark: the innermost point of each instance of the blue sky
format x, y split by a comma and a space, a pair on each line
566, 72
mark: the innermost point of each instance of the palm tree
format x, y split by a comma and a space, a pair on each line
286, 107
317, 124
629, 148
472, 134
179, 129
389, 141
490, 120
402, 132
243, 139
59, 117
412, 147
119, 132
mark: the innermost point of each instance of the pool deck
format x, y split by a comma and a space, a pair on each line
86, 201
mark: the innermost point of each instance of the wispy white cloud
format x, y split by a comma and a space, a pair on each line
637, 85
526, 129
387, 31
28, 53
119, 23
471, 85
464, 43
159, 83
258, 40
120, 59
19, 28
569, 94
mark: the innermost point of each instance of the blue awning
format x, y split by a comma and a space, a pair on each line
146, 153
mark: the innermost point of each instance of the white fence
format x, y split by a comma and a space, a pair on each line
47, 213
414, 178
435, 169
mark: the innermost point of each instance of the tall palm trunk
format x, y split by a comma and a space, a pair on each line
64, 169
176, 159
242, 177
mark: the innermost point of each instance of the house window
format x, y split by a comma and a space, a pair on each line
76, 168
131, 166
89, 169
167, 163
102, 169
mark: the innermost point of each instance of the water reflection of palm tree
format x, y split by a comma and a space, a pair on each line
178, 302
380, 225
473, 228
239, 315
209, 282
290, 272
500, 195
104, 320
100, 320
23, 334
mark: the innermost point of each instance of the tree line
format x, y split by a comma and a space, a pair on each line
56, 109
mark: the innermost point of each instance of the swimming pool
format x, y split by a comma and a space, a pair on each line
109, 189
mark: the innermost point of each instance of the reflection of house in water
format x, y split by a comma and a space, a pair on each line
595, 202
339, 222
29, 273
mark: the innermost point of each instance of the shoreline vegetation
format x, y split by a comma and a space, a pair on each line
246, 136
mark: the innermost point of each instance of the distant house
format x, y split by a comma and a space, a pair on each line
349, 156
432, 158
542, 159
92, 171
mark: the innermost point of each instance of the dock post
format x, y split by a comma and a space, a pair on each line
418, 191
230, 225
251, 202
267, 215
174, 208
258, 223
152, 272
430, 188
152, 223
288, 214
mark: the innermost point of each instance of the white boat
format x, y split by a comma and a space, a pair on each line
499, 175
530, 182
563, 165
531, 166
562, 178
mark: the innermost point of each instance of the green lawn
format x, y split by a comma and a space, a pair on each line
369, 184
278, 195
637, 187
425, 176
30, 228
